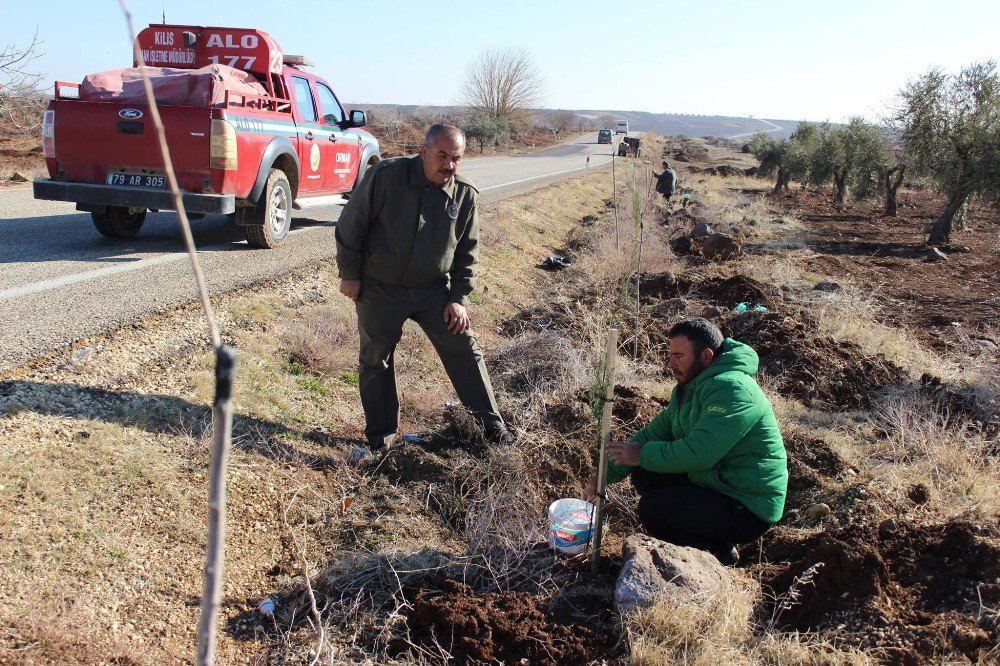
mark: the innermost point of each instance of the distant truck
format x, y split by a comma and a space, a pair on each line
250, 134
621, 127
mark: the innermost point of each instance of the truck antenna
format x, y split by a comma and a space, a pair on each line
164, 12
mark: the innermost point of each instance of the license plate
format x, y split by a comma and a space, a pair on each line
137, 180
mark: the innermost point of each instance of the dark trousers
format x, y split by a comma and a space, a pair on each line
382, 311
673, 509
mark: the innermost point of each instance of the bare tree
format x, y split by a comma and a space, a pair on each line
21, 102
386, 123
560, 121
606, 121
503, 84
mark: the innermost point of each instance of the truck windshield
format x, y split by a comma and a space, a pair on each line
304, 99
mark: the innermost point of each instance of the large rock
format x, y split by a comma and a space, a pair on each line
653, 569
701, 231
720, 247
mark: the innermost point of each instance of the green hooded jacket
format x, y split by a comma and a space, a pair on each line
721, 430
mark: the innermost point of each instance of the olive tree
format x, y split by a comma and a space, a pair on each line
853, 156
950, 130
785, 159
502, 84
485, 129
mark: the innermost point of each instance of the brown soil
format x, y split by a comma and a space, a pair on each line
20, 154
509, 627
811, 462
949, 306
817, 370
911, 589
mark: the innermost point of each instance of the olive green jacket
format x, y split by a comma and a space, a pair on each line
400, 230
720, 429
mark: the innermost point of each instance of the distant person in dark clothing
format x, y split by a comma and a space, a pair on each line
666, 182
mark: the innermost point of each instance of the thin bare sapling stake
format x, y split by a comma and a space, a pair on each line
614, 198
611, 356
222, 408
637, 220
222, 423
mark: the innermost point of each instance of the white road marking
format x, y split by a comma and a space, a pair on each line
55, 283
546, 175
139, 264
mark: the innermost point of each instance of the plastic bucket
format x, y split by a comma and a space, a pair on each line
571, 525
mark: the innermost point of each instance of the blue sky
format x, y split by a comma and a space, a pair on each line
789, 60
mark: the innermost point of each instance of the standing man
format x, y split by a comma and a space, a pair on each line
666, 182
710, 469
407, 248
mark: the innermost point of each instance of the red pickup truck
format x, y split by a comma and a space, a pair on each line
250, 134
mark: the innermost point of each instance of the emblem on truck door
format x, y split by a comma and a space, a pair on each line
314, 157
130, 113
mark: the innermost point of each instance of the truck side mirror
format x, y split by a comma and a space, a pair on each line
358, 118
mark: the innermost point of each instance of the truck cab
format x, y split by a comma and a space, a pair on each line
250, 132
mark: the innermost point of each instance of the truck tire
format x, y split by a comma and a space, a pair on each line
268, 222
119, 222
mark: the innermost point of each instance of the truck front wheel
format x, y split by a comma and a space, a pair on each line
119, 221
268, 222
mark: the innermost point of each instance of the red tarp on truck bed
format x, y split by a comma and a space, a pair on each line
171, 86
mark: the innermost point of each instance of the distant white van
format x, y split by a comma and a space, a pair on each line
621, 127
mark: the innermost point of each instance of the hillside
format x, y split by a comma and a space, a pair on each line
882, 380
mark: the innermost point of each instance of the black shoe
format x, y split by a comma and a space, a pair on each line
728, 556
380, 446
501, 437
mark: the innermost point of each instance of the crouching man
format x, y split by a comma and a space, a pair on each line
710, 469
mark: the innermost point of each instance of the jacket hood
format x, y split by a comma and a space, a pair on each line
735, 357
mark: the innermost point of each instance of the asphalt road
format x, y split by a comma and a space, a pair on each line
60, 281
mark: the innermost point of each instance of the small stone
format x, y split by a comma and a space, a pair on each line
820, 510
83, 355
19, 178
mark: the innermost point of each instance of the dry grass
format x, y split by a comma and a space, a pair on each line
723, 631
948, 453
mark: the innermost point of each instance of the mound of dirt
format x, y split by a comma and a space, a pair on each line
811, 462
818, 371
730, 292
568, 464
494, 628
913, 590
631, 411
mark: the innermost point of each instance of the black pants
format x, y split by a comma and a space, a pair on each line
675, 510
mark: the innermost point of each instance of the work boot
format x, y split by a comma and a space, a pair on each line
383, 444
728, 556
501, 436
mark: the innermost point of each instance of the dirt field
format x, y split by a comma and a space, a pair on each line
20, 154
435, 553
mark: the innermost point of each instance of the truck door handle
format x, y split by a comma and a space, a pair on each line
333, 138
309, 135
